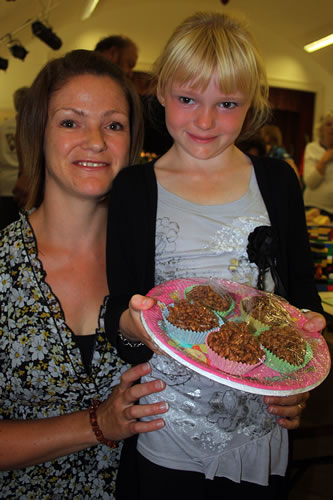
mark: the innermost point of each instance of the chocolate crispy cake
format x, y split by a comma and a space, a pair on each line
207, 296
234, 342
285, 343
188, 316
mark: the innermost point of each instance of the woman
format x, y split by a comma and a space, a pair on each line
64, 403
318, 168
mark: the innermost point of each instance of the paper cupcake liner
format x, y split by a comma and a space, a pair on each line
225, 365
281, 366
186, 338
222, 314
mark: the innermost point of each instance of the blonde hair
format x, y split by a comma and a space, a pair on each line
208, 43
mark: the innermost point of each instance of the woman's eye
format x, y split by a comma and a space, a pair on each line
115, 126
185, 100
228, 105
68, 123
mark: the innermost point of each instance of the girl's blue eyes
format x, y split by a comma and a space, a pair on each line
228, 105
185, 100
223, 105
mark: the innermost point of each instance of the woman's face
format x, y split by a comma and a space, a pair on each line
327, 133
87, 137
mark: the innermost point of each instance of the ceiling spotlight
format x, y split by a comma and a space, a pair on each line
17, 49
3, 63
46, 35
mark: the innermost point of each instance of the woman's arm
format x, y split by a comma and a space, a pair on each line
26, 443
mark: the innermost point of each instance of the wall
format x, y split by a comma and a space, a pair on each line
150, 23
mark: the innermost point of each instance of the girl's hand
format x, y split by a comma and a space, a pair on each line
289, 408
130, 322
118, 416
314, 322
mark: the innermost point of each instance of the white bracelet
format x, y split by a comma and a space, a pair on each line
129, 343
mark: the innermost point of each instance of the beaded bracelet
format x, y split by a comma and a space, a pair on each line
95, 427
129, 343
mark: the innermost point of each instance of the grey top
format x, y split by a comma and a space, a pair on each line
211, 428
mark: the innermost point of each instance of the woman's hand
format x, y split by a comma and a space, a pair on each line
118, 416
288, 408
130, 322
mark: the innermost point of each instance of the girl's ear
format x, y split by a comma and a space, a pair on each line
160, 97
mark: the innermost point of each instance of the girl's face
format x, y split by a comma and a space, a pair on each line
87, 136
203, 123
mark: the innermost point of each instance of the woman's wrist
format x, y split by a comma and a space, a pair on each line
101, 439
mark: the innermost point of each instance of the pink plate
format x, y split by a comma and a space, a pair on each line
260, 380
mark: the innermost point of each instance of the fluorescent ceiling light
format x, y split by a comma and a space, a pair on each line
319, 44
89, 9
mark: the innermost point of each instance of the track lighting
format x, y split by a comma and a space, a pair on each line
46, 35
3, 63
17, 49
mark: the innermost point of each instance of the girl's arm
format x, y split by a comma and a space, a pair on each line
26, 443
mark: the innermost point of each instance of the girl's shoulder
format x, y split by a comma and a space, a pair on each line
133, 176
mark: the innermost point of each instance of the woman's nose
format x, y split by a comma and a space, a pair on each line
205, 118
95, 140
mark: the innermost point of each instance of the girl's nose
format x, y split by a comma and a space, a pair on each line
205, 118
94, 140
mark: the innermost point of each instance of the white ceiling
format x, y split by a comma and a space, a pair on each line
297, 21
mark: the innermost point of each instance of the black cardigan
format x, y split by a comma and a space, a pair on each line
131, 237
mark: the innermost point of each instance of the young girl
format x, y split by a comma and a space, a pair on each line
190, 214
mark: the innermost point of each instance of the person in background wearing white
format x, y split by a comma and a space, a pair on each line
318, 168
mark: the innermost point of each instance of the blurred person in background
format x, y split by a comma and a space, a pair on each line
318, 168
272, 137
120, 50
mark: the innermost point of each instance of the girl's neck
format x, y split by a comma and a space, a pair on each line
207, 182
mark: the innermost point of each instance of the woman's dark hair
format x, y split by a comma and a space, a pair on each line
32, 118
